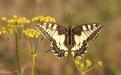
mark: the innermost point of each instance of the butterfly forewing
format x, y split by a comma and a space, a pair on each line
82, 35
56, 35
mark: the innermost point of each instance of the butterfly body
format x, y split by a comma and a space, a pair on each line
69, 39
65, 41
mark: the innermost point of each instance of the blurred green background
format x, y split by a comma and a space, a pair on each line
107, 47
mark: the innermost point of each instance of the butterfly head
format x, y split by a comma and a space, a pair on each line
69, 27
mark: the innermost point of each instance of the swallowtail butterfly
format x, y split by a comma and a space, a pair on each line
69, 40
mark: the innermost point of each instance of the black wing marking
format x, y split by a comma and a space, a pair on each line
82, 35
56, 35
58, 52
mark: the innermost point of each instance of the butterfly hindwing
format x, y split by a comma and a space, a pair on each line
56, 35
82, 35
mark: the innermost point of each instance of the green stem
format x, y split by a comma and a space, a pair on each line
36, 45
17, 53
91, 68
33, 63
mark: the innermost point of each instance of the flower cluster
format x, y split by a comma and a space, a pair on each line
43, 19
16, 20
4, 19
85, 65
32, 33
3, 30
14, 23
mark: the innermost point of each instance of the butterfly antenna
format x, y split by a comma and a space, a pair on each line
70, 19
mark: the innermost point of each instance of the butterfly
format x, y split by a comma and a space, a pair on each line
68, 40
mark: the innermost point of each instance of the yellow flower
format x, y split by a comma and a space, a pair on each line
100, 63
19, 21
22, 20
43, 19
84, 65
0, 32
11, 28
77, 60
88, 63
3, 30
11, 21
14, 16
3, 18
28, 21
31, 33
